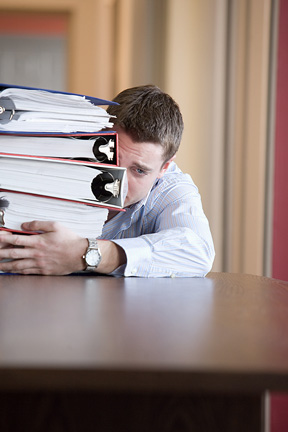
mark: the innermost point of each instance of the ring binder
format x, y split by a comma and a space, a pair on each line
50, 156
101, 147
38, 110
76, 181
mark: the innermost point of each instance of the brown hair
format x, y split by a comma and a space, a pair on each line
149, 115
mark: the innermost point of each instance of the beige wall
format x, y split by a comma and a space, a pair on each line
247, 126
195, 75
212, 56
222, 86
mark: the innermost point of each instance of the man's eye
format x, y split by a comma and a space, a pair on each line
139, 171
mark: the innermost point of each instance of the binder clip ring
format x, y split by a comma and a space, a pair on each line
105, 187
7, 110
2, 221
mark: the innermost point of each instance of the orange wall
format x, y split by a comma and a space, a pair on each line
33, 23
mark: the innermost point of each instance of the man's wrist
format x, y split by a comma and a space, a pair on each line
113, 256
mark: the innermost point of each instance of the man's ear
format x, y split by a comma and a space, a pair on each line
165, 167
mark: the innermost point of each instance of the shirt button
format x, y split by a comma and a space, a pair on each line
172, 275
133, 271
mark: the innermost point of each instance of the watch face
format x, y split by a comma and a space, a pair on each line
92, 257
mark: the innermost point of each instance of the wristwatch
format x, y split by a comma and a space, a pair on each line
92, 256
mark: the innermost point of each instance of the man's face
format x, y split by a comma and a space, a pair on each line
144, 163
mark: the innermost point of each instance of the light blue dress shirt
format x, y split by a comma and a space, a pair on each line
166, 234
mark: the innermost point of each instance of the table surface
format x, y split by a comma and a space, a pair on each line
225, 332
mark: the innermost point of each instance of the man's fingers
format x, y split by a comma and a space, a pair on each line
40, 226
17, 266
4, 235
16, 240
4, 232
15, 253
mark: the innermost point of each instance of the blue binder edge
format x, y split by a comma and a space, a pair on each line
94, 100
55, 134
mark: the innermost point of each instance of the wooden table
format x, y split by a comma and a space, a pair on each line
101, 354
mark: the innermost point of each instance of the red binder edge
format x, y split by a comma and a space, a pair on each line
116, 164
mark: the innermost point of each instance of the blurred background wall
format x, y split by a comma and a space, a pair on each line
217, 58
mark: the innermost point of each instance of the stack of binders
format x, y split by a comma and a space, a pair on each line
58, 160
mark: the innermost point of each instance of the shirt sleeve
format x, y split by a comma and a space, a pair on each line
181, 245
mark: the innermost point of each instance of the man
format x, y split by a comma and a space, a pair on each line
162, 233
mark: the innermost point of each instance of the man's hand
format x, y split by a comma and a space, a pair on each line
56, 251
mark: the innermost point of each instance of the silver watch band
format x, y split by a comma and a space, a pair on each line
92, 243
93, 249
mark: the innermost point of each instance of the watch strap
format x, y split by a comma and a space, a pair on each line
92, 244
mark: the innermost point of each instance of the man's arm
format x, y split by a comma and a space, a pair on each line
56, 251
177, 252
174, 240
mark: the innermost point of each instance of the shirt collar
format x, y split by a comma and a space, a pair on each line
135, 207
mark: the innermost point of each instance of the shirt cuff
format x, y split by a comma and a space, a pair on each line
137, 251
